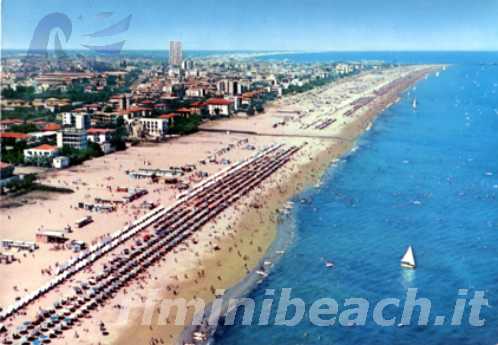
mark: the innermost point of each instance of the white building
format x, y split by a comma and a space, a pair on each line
196, 92
343, 68
76, 120
220, 106
60, 162
72, 137
231, 87
101, 136
188, 64
154, 127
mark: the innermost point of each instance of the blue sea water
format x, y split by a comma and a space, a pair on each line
419, 177
395, 57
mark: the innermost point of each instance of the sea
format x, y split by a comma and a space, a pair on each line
425, 177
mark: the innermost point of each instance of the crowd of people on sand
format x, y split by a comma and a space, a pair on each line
320, 108
131, 213
181, 222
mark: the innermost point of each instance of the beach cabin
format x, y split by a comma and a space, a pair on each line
84, 221
51, 236
24, 245
77, 246
7, 258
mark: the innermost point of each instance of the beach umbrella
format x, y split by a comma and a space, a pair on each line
7, 341
22, 329
58, 329
69, 320
52, 334
42, 339
57, 305
44, 327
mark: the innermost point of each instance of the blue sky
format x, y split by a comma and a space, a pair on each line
266, 24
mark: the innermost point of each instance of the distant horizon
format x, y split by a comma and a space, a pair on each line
291, 51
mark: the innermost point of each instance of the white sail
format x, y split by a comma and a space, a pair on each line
408, 259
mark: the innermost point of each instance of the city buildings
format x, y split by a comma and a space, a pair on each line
175, 53
145, 96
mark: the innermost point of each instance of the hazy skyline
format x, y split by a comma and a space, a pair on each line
264, 25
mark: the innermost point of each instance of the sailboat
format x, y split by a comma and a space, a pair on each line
414, 103
408, 260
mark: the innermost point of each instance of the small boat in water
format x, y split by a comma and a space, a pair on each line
408, 260
328, 263
414, 103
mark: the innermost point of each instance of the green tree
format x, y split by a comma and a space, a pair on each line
24, 128
186, 125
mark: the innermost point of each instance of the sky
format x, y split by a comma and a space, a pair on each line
304, 25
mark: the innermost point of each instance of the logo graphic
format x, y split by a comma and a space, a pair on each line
63, 27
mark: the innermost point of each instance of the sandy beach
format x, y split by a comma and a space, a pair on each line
323, 123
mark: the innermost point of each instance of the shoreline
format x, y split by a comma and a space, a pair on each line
237, 241
317, 168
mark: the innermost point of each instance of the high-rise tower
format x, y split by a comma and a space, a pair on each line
175, 53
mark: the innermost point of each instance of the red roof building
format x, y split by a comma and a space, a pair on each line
199, 104
45, 147
51, 127
220, 107
40, 154
14, 135
168, 116
99, 130
219, 101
